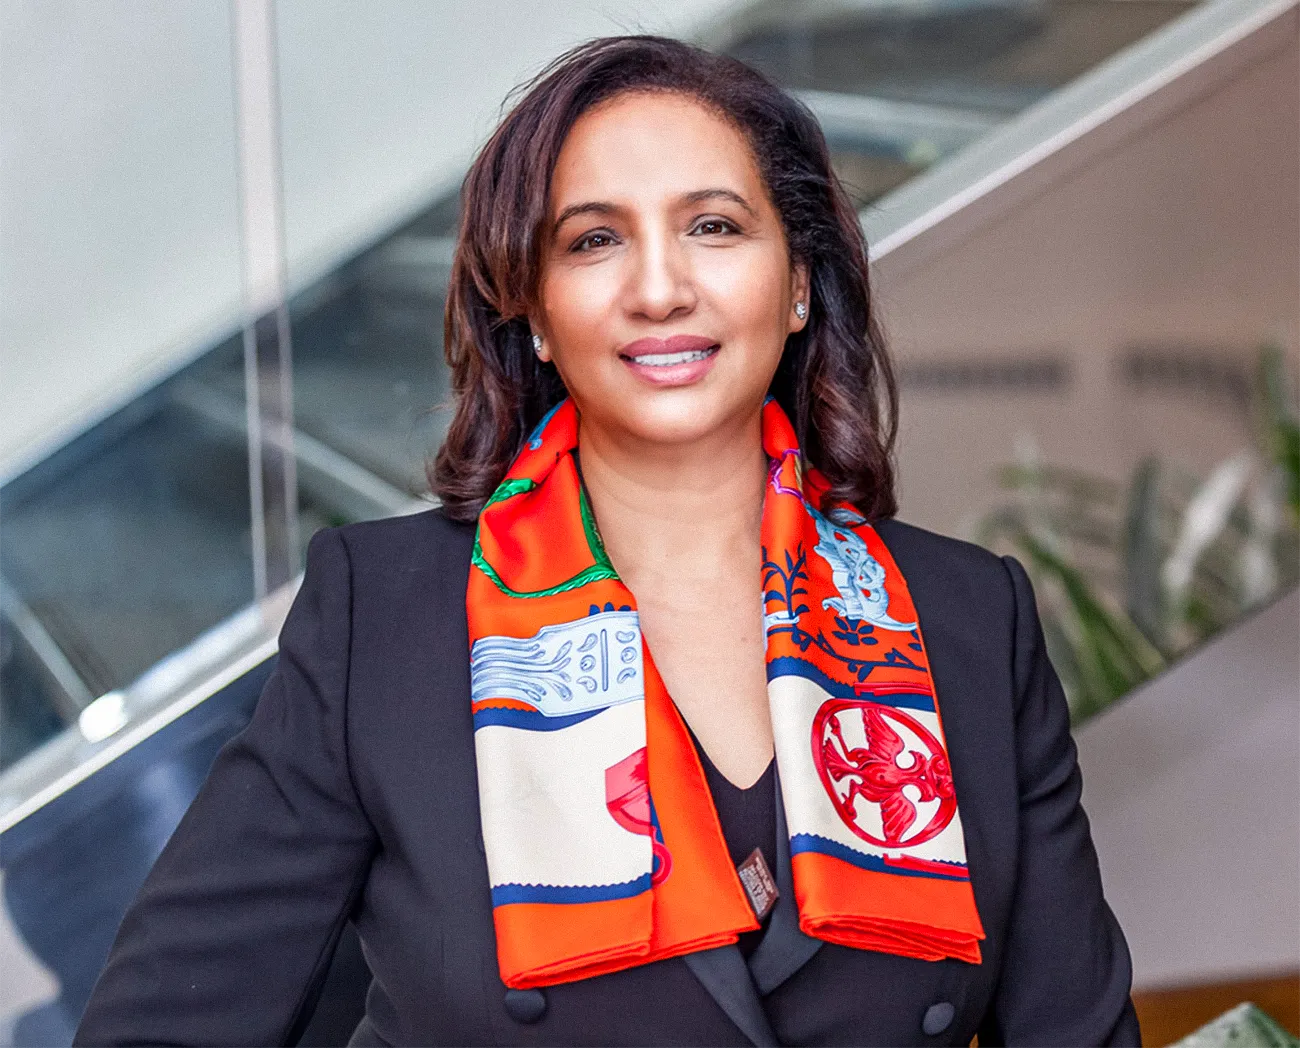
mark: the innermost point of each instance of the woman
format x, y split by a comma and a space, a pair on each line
839, 805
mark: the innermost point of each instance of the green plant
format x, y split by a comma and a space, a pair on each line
1129, 577
1245, 1026
1279, 424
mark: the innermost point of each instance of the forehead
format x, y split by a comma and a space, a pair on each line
652, 146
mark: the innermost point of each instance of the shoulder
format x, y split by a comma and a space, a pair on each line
908, 541
970, 599
948, 575
413, 533
402, 581
393, 568
397, 546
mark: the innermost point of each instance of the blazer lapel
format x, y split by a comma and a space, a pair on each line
723, 973
784, 948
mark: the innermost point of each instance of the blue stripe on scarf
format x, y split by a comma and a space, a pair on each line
529, 720
504, 894
811, 842
790, 666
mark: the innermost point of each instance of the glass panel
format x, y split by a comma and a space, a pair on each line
124, 495
35, 700
362, 159
133, 550
370, 384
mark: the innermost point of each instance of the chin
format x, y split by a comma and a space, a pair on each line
680, 416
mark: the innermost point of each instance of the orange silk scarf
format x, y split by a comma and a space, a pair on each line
603, 847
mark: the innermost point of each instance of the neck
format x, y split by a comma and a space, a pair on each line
660, 505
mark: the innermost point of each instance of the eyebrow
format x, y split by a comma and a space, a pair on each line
601, 207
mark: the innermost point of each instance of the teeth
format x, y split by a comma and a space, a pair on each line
663, 360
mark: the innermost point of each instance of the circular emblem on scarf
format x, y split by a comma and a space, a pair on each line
866, 751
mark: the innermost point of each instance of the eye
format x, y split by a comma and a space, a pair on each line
591, 238
713, 226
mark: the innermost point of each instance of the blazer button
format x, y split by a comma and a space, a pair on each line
938, 1017
527, 1006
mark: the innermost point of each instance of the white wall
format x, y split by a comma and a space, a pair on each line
118, 200
1190, 788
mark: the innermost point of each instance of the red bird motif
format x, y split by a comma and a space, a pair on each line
878, 771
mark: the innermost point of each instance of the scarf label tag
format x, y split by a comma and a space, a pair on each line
758, 883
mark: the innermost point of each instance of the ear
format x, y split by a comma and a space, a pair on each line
800, 291
535, 327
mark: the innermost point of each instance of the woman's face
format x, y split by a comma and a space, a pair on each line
667, 288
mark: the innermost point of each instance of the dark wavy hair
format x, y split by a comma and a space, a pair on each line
834, 380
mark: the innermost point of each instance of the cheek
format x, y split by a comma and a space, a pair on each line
577, 300
581, 313
751, 293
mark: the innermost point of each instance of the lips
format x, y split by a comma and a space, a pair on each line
668, 352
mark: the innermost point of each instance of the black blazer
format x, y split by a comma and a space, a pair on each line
352, 794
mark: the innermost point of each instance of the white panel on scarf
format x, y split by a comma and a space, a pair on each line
542, 802
794, 702
568, 667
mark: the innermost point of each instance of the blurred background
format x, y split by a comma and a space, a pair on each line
225, 234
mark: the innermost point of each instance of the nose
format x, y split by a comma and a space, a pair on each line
661, 280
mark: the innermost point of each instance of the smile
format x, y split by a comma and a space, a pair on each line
663, 360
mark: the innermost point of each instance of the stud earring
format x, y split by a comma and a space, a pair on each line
800, 310
537, 343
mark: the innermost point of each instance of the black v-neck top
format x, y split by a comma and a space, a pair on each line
748, 818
